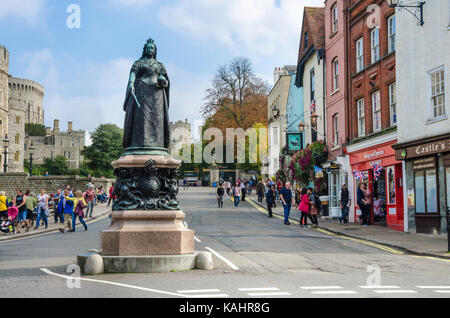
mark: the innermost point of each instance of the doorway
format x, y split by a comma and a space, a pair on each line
379, 208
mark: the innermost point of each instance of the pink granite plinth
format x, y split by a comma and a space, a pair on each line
138, 161
141, 233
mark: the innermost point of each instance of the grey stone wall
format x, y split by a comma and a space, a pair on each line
11, 182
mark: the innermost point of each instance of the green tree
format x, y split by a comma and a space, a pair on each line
57, 166
106, 147
35, 130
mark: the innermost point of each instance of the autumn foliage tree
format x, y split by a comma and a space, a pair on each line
237, 98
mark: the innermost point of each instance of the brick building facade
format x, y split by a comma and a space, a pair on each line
372, 105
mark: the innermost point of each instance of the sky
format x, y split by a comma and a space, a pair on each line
85, 70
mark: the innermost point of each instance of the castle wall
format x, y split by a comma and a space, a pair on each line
67, 144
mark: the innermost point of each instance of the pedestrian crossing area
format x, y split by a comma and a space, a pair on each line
324, 291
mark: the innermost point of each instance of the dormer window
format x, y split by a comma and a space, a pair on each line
306, 40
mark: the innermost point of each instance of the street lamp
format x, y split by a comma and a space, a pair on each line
301, 127
5, 145
276, 112
417, 5
31, 150
314, 119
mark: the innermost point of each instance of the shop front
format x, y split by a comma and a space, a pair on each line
428, 182
383, 174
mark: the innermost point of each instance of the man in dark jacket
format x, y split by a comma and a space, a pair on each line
345, 202
260, 191
270, 198
361, 201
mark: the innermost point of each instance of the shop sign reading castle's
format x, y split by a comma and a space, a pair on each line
431, 148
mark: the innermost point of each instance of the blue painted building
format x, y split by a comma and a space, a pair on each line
294, 107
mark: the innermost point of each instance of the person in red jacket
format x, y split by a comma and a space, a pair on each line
112, 196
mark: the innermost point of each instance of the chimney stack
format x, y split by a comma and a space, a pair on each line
56, 126
69, 126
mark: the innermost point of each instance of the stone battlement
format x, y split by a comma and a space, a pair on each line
25, 84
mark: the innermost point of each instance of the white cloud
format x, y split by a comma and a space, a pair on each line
257, 28
29, 10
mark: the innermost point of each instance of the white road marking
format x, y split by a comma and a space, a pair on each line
379, 287
270, 294
321, 287
442, 291
197, 239
234, 267
334, 292
194, 291
49, 272
395, 291
434, 287
258, 289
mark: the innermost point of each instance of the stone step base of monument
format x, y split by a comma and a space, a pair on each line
94, 263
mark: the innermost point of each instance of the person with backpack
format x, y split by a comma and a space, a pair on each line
344, 202
270, 198
220, 194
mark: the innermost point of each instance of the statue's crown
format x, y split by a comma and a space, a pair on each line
150, 41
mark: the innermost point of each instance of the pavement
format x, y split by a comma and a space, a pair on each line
100, 210
412, 243
254, 257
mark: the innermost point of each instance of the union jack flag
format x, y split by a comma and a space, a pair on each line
312, 107
377, 171
359, 175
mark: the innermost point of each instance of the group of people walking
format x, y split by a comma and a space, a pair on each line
27, 211
237, 190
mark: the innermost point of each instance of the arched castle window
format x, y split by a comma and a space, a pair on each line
17, 139
16, 156
17, 120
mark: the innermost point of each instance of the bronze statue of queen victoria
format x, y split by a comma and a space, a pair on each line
147, 105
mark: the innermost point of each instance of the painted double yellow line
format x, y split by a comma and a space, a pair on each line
361, 241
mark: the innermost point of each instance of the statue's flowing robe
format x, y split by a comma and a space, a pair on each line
147, 126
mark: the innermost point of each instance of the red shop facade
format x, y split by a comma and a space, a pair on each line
387, 207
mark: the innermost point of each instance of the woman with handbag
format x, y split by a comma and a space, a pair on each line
304, 207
